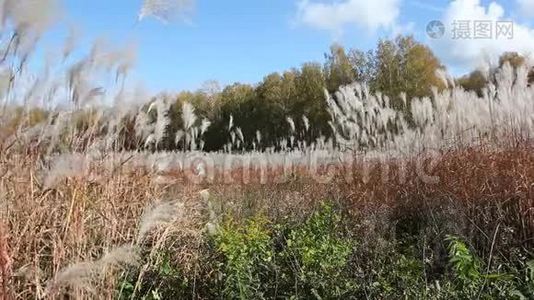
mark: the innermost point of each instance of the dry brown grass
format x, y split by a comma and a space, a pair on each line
83, 221
5, 262
485, 187
78, 221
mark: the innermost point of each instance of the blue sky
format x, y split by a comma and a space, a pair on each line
242, 41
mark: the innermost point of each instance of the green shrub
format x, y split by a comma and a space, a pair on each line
471, 282
316, 257
524, 282
465, 265
320, 257
159, 280
302, 261
247, 257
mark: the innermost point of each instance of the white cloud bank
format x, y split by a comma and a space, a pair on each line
335, 15
470, 52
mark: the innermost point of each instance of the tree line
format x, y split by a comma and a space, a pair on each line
290, 107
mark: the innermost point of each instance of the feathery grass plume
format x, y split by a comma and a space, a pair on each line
121, 256
240, 135
364, 121
5, 81
115, 123
82, 73
64, 166
166, 10
77, 80
143, 126
232, 137
23, 24
162, 120
205, 195
70, 42
180, 134
445, 77
204, 126
231, 123
94, 73
359, 118
77, 276
106, 56
212, 227
32, 15
5, 261
306, 122
258, 137
160, 214
188, 115
150, 141
85, 275
291, 124
189, 118
125, 60
29, 19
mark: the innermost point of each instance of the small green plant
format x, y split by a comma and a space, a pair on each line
318, 256
247, 253
525, 283
465, 265
472, 282
307, 260
529, 280
160, 280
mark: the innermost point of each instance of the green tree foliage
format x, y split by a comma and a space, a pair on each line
264, 109
291, 108
235, 102
363, 65
474, 81
516, 60
405, 66
338, 68
310, 102
275, 95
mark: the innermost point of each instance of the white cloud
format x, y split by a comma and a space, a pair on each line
470, 52
526, 7
335, 15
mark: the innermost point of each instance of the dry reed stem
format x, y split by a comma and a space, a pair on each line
5, 263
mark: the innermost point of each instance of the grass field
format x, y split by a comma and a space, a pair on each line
106, 193
167, 237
